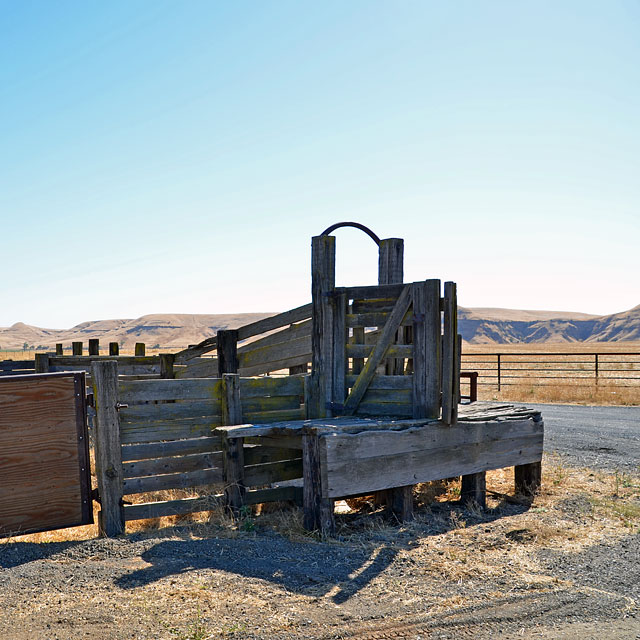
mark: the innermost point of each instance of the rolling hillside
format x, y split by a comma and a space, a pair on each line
477, 326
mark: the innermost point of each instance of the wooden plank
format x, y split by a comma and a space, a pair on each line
393, 350
371, 292
156, 431
179, 410
274, 416
339, 357
380, 460
375, 305
199, 368
63, 361
380, 382
389, 396
276, 442
368, 372
292, 332
275, 322
107, 447
275, 353
43, 465
176, 464
275, 494
261, 387
427, 349
149, 450
270, 403
153, 390
392, 409
187, 480
171, 507
263, 455
375, 319
449, 346
276, 365
260, 474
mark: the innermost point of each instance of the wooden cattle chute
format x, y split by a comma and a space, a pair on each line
44, 458
378, 413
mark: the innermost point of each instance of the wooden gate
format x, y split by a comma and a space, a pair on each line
45, 480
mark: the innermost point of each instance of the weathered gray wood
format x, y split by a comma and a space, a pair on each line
390, 409
166, 365
426, 349
275, 354
132, 391
75, 360
271, 472
528, 478
263, 455
227, 351
59, 349
276, 442
231, 404
374, 319
233, 454
107, 448
400, 502
276, 365
380, 382
371, 461
365, 350
174, 464
449, 348
184, 409
274, 403
368, 372
318, 510
292, 332
41, 362
137, 432
191, 479
357, 363
94, 347
474, 489
274, 416
323, 265
199, 368
170, 507
114, 349
76, 348
378, 292
151, 450
139, 349
339, 364
260, 387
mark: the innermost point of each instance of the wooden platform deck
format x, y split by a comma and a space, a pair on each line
346, 456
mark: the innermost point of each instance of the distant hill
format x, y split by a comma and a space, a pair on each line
507, 326
477, 325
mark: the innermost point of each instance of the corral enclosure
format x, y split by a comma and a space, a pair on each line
383, 393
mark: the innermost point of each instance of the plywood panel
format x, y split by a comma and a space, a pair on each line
44, 474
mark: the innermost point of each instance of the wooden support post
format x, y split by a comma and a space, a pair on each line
166, 365
391, 271
338, 384
108, 448
427, 349
528, 478
474, 489
323, 278
227, 346
94, 347
114, 349
233, 448
140, 349
76, 348
41, 362
450, 381
400, 502
318, 510
59, 349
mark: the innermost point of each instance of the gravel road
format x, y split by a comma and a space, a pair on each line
605, 438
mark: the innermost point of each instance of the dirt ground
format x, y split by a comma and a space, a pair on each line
567, 566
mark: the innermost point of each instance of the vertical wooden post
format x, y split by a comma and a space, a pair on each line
391, 271
338, 383
323, 279
318, 510
233, 448
108, 447
114, 349
450, 384
427, 349
140, 349
76, 348
596, 367
166, 365
528, 478
41, 362
227, 345
498, 372
59, 349
474, 489
94, 347
400, 502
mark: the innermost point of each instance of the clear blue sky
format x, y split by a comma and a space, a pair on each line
177, 157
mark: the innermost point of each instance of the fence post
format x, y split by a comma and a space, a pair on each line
114, 349
166, 365
498, 372
227, 345
596, 367
108, 448
41, 362
76, 348
233, 448
59, 350
140, 349
94, 347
